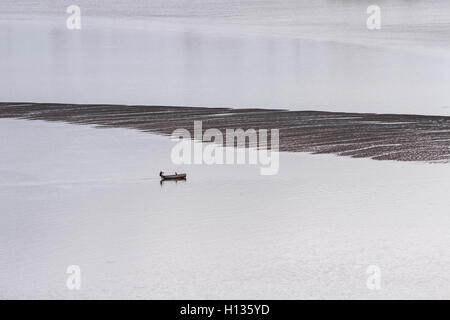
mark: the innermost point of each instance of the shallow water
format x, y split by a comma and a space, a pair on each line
76, 195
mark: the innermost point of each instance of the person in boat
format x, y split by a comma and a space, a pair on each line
174, 176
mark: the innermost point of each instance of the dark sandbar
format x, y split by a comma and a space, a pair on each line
362, 135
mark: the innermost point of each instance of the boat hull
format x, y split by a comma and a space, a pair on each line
174, 177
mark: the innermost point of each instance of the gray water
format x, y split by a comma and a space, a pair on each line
295, 54
76, 195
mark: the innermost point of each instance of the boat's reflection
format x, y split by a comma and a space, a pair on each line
162, 181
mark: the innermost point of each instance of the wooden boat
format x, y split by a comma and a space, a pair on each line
176, 176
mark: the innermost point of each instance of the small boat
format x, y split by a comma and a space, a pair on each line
176, 176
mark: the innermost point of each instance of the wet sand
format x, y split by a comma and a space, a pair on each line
359, 135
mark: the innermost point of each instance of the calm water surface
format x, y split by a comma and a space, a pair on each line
91, 197
293, 55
